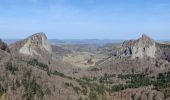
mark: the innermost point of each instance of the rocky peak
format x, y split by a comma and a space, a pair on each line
34, 44
145, 37
145, 40
128, 43
143, 47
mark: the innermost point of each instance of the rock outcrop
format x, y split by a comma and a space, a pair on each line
143, 47
3, 46
35, 45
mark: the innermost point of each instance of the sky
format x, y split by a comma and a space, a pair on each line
85, 19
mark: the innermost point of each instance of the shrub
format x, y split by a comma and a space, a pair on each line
67, 84
75, 88
84, 91
105, 79
48, 91
89, 79
93, 95
80, 98
11, 67
101, 89
32, 88
35, 62
58, 73
2, 90
136, 80
94, 69
163, 82
18, 83
117, 88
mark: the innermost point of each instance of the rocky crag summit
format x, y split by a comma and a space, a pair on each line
137, 55
34, 45
143, 47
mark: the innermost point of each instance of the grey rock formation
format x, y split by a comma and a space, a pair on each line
143, 47
34, 43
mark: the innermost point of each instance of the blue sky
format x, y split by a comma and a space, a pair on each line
85, 19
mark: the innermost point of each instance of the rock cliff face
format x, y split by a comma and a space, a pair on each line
143, 47
34, 44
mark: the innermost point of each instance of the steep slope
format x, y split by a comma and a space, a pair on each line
163, 51
4, 53
141, 55
35, 45
143, 47
34, 42
27, 78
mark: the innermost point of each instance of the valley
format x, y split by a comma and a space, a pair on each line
34, 69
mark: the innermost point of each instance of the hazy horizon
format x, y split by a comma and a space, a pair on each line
80, 41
